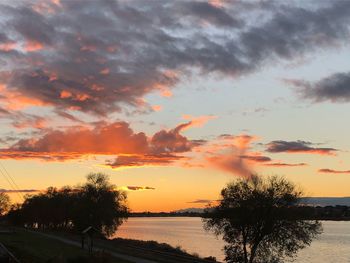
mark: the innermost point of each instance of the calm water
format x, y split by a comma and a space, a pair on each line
332, 246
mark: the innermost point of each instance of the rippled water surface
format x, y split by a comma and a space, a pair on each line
332, 246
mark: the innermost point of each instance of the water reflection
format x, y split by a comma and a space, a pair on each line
332, 246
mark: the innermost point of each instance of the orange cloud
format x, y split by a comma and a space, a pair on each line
243, 141
65, 94
230, 153
133, 149
157, 107
166, 93
105, 139
7, 46
196, 121
32, 46
16, 101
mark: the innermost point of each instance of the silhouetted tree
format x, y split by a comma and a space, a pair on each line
4, 203
100, 205
260, 220
97, 203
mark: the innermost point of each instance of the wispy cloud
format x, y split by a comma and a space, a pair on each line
331, 171
298, 147
202, 201
19, 191
280, 164
136, 188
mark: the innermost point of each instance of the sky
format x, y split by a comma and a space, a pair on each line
174, 99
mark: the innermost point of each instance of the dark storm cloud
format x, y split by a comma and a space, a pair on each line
335, 88
97, 56
298, 147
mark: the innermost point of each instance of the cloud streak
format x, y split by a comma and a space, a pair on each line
299, 146
19, 191
331, 171
280, 164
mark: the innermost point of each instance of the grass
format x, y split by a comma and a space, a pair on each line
162, 253
34, 248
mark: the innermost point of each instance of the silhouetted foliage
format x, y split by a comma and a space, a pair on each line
261, 221
4, 203
97, 203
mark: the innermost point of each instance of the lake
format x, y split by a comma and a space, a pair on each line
332, 246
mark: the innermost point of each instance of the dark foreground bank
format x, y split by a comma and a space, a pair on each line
44, 247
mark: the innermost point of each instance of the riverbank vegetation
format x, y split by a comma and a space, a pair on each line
96, 203
33, 247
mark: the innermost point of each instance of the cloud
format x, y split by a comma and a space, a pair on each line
196, 121
21, 120
331, 171
256, 158
143, 160
298, 147
105, 138
113, 139
334, 88
98, 56
279, 164
201, 201
19, 191
137, 188
230, 154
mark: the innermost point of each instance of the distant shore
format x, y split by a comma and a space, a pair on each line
327, 213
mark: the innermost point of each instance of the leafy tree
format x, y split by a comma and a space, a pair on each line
97, 203
4, 203
100, 205
261, 221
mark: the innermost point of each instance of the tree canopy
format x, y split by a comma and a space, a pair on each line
4, 203
261, 220
96, 203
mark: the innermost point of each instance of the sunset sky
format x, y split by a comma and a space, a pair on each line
173, 99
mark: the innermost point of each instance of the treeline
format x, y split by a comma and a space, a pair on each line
338, 212
96, 203
165, 214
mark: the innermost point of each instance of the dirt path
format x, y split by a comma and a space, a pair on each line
76, 243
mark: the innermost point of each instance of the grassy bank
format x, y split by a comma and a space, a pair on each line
152, 250
34, 248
